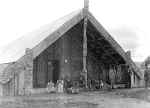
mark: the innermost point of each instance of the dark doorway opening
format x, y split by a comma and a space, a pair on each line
45, 71
53, 71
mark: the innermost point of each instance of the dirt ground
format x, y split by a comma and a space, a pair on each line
125, 98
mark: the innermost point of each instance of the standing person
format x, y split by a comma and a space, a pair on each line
101, 84
146, 76
147, 71
66, 84
48, 87
112, 76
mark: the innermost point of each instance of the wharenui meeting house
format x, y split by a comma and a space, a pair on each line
72, 47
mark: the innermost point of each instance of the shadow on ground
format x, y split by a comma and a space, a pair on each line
142, 94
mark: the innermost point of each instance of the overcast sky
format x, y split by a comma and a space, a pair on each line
128, 21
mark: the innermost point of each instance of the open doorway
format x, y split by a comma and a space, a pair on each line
45, 71
53, 71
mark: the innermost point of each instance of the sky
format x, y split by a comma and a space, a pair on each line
128, 21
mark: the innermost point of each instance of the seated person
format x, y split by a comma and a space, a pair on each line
60, 86
67, 84
73, 90
50, 87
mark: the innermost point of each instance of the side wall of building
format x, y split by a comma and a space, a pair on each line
8, 89
20, 74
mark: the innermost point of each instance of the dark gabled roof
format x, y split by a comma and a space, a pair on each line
39, 40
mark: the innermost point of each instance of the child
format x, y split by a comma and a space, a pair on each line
101, 84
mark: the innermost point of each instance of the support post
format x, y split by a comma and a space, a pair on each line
85, 52
86, 7
86, 4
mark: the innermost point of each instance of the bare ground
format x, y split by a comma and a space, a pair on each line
125, 98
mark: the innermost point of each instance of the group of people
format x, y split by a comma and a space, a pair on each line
66, 86
61, 86
58, 87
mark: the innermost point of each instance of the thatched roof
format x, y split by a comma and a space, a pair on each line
13, 51
4, 75
39, 40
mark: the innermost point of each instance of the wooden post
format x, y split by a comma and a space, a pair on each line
85, 51
86, 6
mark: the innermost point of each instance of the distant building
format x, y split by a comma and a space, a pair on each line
146, 71
65, 48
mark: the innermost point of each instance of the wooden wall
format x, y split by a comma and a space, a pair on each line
94, 67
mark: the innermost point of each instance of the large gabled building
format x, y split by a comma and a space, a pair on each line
73, 46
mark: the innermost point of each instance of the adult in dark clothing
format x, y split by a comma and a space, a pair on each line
147, 72
67, 84
146, 77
